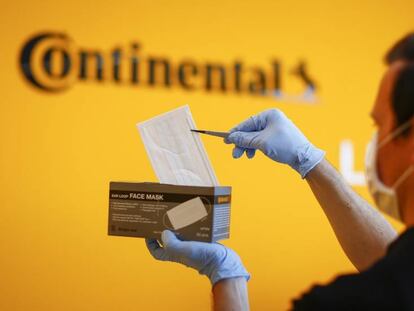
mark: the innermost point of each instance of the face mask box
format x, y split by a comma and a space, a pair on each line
194, 213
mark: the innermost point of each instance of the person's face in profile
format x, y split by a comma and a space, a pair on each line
397, 155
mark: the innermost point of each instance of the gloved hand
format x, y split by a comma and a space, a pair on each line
278, 138
214, 260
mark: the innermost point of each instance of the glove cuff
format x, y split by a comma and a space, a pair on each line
308, 157
234, 272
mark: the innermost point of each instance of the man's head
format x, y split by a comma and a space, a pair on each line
394, 107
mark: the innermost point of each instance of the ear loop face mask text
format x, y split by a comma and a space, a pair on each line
385, 197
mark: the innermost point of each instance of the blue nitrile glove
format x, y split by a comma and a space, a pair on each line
278, 138
214, 260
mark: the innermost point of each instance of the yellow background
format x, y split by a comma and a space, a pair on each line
58, 152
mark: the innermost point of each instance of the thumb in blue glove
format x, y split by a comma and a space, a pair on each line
214, 260
278, 138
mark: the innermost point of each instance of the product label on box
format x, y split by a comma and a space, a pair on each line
147, 214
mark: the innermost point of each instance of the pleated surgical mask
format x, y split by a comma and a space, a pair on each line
177, 155
385, 197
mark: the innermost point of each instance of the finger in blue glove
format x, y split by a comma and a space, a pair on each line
214, 260
278, 138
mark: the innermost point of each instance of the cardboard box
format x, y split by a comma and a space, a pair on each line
146, 209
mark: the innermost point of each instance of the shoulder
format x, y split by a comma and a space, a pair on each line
404, 245
384, 286
349, 292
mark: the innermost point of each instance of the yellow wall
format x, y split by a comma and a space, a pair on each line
58, 151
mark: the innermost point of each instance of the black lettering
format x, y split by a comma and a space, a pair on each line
185, 69
47, 62
218, 69
155, 63
85, 59
27, 65
258, 84
301, 72
237, 68
116, 63
51, 70
276, 76
134, 63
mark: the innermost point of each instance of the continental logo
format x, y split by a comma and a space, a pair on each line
52, 62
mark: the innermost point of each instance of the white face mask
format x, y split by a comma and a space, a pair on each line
385, 197
177, 155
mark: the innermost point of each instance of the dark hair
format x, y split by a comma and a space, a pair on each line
403, 49
403, 94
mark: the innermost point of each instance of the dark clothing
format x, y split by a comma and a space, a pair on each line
387, 285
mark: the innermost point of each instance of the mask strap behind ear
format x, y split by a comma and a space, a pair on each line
403, 177
395, 133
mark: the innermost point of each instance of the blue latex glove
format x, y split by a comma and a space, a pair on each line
278, 138
214, 260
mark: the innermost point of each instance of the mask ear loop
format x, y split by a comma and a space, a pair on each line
403, 177
394, 134
389, 138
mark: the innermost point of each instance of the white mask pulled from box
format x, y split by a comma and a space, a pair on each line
177, 155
